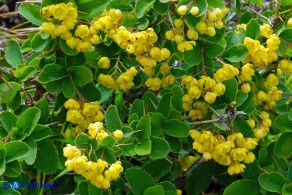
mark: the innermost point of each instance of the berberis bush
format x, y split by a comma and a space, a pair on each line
148, 97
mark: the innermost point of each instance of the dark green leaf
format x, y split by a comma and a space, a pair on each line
243, 127
8, 120
157, 189
240, 98
144, 127
68, 88
176, 128
213, 50
138, 186
112, 119
52, 72
160, 148
236, 53
231, 90
94, 94
137, 108
44, 162
157, 168
82, 140
243, 187
164, 105
28, 120
43, 105
253, 29
272, 182
80, 75
66, 49
283, 145
38, 43
157, 120
193, 57
282, 122
108, 141
41, 132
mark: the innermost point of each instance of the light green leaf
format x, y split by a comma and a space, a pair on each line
236, 53
24, 72
13, 53
7, 93
144, 127
31, 12
8, 120
142, 6
52, 72
32, 152
216, 3
82, 140
15, 150
28, 120
143, 147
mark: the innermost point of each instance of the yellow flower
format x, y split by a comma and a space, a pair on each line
59, 11
103, 63
235, 168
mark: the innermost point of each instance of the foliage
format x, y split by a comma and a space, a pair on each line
149, 97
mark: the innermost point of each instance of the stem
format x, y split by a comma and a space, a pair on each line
264, 17
62, 173
42, 189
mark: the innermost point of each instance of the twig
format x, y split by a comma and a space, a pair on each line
269, 21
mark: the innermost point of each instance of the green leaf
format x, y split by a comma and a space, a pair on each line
236, 53
31, 12
13, 169
54, 86
15, 150
176, 128
68, 88
164, 104
32, 152
82, 140
231, 90
94, 94
240, 98
203, 5
143, 147
144, 127
24, 72
160, 7
150, 102
157, 168
204, 171
176, 99
44, 162
290, 172
157, 189
160, 148
52, 72
216, 3
144, 22
28, 120
13, 53
142, 6
282, 122
157, 124
66, 49
91, 9
283, 145
243, 127
108, 141
7, 93
41, 132
137, 108
80, 75
243, 187
93, 190
174, 143
138, 186
256, 2
112, 119
6, 188
286, 2
253, 29
252, 171
193, 57
8, 120
272, 182
214, 50
43, 105
2, 167
38, 43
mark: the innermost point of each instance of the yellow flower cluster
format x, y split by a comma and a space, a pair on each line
273, 95
167, 78
261, 129
240, 26
177, 35
247, 72
99, 173
212, 20
198, 110
123, 82
103, 63
285, 66
260, 55
206, 86
64, 15
97, 131
231, 151
83, 115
